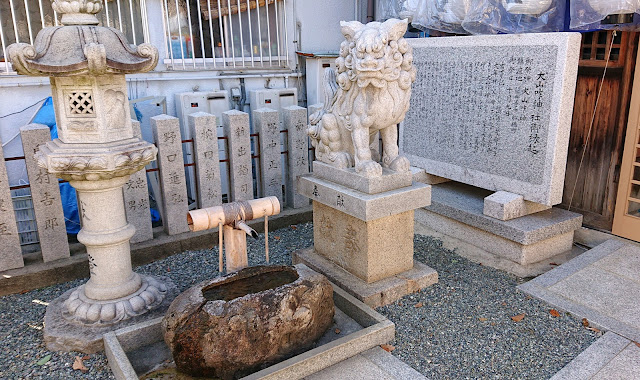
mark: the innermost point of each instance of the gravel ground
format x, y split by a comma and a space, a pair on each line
459, 328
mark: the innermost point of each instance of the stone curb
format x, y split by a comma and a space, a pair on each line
594, 358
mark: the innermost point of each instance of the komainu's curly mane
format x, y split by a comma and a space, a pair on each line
368, 92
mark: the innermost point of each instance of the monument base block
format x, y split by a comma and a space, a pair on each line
364, 242
62, 334
371, 250
524, 246
375, 294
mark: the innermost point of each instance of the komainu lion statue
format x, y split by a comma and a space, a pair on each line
368, 92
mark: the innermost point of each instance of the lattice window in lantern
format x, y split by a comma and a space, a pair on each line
80, 103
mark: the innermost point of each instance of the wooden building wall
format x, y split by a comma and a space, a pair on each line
592, 191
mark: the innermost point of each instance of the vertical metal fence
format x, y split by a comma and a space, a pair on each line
222, 34
21, 20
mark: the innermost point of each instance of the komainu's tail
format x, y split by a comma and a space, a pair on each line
330, 91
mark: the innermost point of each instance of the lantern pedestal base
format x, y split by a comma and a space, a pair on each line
66, 332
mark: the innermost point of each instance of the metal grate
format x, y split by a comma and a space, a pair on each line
216, 34
21, 20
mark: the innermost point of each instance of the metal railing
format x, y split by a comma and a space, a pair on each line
21, 20
225, 34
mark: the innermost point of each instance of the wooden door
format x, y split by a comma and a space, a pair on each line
592, 191
626, 222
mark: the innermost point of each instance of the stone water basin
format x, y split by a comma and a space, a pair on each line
140, 351
233, 325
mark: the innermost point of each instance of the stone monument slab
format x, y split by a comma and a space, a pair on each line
237, 131
166, 133
494, 111
45, 193
295, 122
10, 251
136, 200
205, 149
266, 123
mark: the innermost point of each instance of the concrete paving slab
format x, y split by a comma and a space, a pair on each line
626, 365
604, 291
375, 363
610, 357
624, 262
598, 285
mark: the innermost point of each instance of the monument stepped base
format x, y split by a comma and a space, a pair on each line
524, 246
374, 294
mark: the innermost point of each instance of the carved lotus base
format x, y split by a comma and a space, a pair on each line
62, 334
79, 308
92, 162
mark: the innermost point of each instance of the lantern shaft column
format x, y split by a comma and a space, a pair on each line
106, 233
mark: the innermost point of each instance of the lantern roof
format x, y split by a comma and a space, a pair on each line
81, 47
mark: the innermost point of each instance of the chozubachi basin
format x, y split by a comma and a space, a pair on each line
234, 325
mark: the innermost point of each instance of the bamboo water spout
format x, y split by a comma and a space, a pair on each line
230, 218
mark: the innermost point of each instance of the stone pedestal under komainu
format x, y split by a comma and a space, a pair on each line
363, 237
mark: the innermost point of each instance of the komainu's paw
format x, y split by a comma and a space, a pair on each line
400, 164
369, 169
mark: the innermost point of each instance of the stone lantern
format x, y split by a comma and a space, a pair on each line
96, 152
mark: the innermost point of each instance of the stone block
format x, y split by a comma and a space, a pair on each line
421, 175
509, 132
379, 293
521, 254
372, 250
266, 123
586, 288
390, 179
10, 251
465, 204
203, 128
295, 122
457, 211
237, 130
365, 207
503, 205
45, 193
136, 200
175, 204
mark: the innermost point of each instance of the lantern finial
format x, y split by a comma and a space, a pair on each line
77, 12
